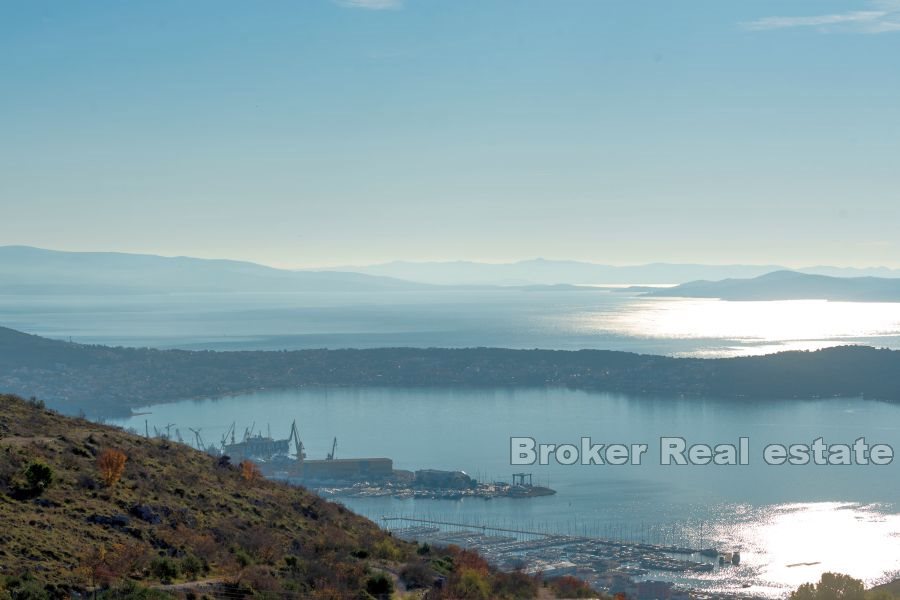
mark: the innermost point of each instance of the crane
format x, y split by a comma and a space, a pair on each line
198, 439
228, 433
298, 444
333, 448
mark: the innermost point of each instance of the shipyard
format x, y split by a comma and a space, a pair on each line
286, 459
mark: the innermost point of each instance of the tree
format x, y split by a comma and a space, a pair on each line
112, 465
832, 586
472, 584
96, 568
103, 566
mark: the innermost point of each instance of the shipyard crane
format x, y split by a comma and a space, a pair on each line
198, 439
229, 432
333, 448
298, 444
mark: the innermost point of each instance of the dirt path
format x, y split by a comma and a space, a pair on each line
191, 585
14, 440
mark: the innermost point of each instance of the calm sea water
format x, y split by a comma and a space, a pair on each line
838, 517
455, 318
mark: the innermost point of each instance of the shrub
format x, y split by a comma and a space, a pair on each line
416, 575
472, 585
519, 585
112, 465
380, 585
192, 566
38, 477
571, 587
387, 550
132, 591
250, 472
164, 569
243, 558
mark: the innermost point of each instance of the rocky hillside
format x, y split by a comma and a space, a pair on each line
87, 506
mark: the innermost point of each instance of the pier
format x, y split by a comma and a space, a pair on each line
612, 565
655, 548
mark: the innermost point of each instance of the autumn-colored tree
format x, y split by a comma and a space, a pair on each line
103, 566
95, 567
112, 465
249, 471
572, 587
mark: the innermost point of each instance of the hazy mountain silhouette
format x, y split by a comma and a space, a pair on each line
29, 270
551, 272
790, 285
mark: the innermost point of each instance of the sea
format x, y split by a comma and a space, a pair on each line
790, 522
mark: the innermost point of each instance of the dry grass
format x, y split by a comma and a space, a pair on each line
172, 503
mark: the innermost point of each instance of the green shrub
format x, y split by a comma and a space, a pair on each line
164, 569
243, 559
192, 566
380, 585
472, 585
132, 591
30, 590
386, 550
38, 477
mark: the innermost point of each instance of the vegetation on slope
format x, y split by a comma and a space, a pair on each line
86, 506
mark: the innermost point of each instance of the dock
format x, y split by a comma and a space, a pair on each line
612, 565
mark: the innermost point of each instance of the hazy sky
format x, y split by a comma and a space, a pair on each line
321, 132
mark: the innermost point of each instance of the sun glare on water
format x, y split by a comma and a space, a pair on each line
792, 544
759, 326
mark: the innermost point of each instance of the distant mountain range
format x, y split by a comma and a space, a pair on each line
26, 270
552, 272
789, 285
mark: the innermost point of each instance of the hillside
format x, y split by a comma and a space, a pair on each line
178, 515
790, 285
26, 270
111, 381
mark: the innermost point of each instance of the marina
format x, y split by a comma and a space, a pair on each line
612, 566
755, 508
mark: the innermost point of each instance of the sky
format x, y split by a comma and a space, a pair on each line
331, 132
